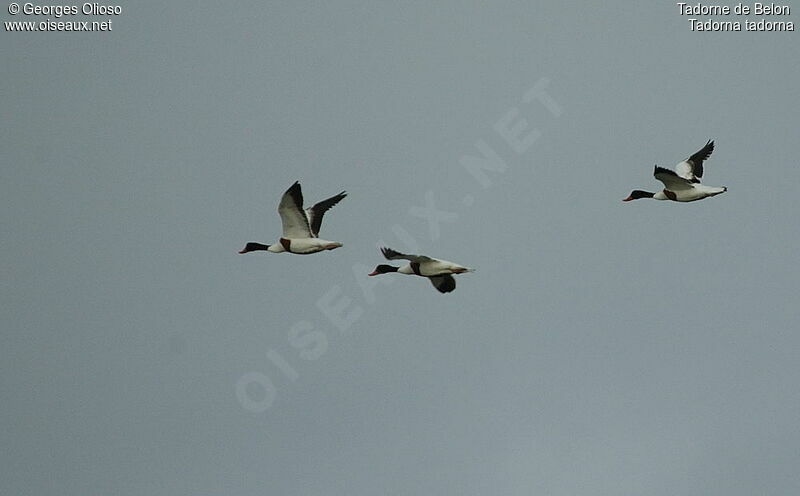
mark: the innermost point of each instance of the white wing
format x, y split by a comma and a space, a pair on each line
293, 217
684, 170
671, 180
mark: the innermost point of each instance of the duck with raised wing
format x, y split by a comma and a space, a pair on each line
682, 184
300, 227
440, 272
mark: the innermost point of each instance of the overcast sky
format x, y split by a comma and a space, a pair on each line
600, 348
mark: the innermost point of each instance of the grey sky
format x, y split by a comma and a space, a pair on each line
600, 348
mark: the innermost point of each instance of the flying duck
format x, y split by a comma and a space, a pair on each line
300, 227
682, 184
438, 271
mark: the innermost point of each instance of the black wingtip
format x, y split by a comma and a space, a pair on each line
390, 254
296, 193
702, 154
664, 171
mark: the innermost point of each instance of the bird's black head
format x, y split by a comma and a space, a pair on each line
637, 193
383, 269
